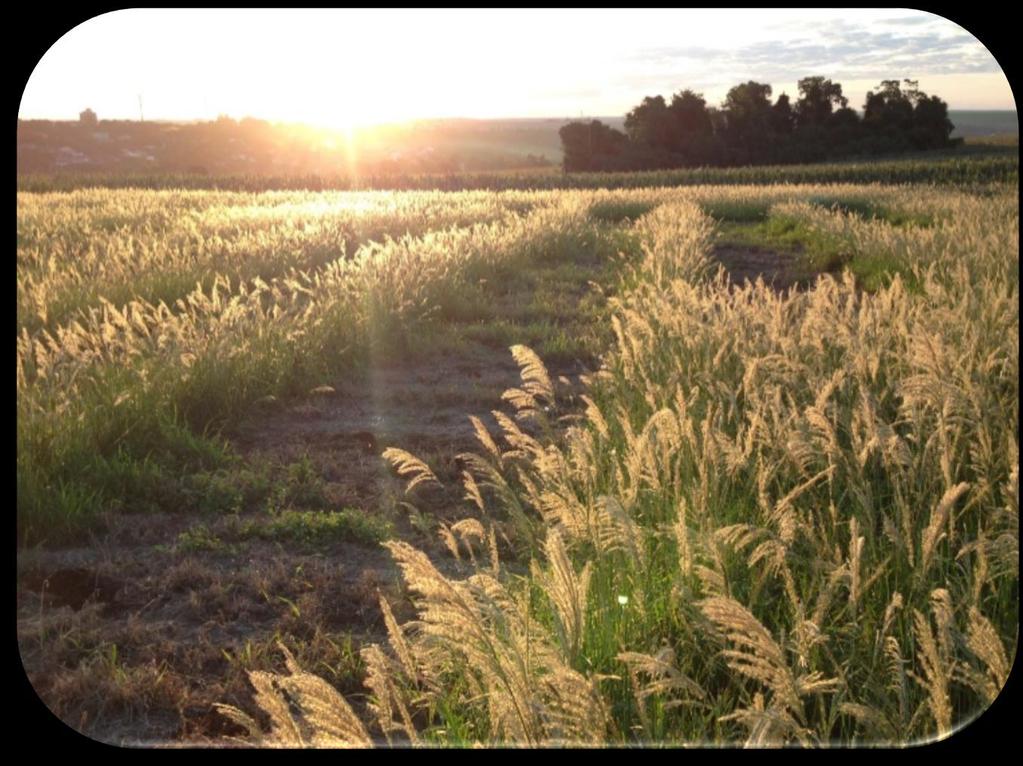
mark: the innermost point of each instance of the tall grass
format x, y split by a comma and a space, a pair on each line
782, 518
108, 397
775, 517
76, 249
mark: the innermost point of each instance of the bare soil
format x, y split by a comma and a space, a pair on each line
747, 263
420, 406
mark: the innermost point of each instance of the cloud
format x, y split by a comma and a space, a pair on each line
838, 49
907, 21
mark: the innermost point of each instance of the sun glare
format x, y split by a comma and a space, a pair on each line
347, 118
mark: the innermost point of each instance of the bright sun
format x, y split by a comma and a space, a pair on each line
349, 116
374, 91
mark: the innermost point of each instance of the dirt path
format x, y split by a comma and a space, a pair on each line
421, 406
747, 263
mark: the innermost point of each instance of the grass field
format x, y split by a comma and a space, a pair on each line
734, 461
980, 161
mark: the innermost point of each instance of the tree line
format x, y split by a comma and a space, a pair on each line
748, 129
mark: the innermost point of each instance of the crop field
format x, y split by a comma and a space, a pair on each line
731, 462
983, 162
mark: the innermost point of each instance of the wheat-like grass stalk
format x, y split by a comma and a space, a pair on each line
758, 656
936, 527
934, 656
304, 711
983, 641
663, 677
407, 464
566, 590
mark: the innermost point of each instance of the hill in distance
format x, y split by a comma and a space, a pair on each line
251, 146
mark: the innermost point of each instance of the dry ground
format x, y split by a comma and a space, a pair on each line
747, 263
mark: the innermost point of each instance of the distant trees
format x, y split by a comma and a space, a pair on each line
783, 117
670, 135
749, 129
649, 124
694, 125
909, 118
931, 125
592, 146
818, 99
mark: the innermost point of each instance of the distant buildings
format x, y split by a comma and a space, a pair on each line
88, 117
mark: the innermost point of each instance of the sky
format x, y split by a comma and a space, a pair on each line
345, 68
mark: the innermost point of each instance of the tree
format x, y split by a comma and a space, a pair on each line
749, 119
690, 114
749, 129
888, 118
748, 104
931, 126
782, 117
650, 124
591, 146
843, 130
889, 108
693, 133
818, 98
576, 146
900, 118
